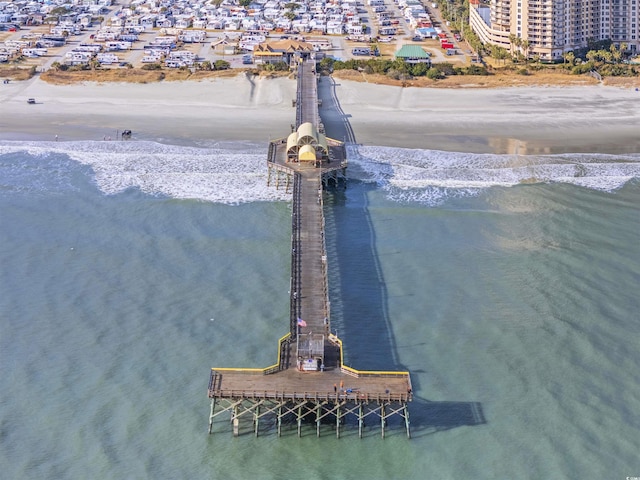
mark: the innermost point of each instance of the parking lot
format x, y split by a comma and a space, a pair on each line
386, 30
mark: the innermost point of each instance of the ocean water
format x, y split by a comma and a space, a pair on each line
507, 285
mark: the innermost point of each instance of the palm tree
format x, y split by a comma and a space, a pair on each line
569, 57
616, 53
499, 53
517, 42
525, 49
512, 42
623, 47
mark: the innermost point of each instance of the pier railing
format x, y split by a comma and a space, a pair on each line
316, 396
271, 153
365, 373
296, 264
325, 281
281, 364
299, 91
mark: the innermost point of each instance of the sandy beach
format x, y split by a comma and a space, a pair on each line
503, 120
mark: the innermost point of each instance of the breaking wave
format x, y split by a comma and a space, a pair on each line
229, 173
235, 172
430, 176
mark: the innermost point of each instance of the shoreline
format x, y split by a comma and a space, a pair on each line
512, 120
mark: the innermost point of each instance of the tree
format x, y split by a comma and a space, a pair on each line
616, 53
326, 64
499, 53
524, 44
569, 57
244, 3
56, 12
623, 48
512, 41
517, 42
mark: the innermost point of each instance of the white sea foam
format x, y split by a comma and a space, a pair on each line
236, 172
231, 173
429, 176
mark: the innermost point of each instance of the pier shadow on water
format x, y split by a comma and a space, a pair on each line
358, 293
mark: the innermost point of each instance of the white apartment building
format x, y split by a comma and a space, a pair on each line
554, 27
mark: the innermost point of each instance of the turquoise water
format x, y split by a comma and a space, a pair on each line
127, 270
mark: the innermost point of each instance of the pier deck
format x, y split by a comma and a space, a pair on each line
309, 379
320, 385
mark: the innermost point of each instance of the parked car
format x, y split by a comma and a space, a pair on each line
361, 51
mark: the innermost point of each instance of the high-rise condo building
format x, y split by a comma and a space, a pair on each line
554, 27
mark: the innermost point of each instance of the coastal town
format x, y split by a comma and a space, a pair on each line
199, 33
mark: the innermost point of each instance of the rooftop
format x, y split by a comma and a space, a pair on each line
412, 51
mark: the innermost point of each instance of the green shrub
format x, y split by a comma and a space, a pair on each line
582, 68
434, 74
281, 66
419, 69
446, 69
394, 74
475, 70
152, 66
221, 65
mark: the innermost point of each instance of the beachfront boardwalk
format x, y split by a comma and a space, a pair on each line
309, 383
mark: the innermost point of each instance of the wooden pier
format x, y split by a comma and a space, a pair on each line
309, 383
